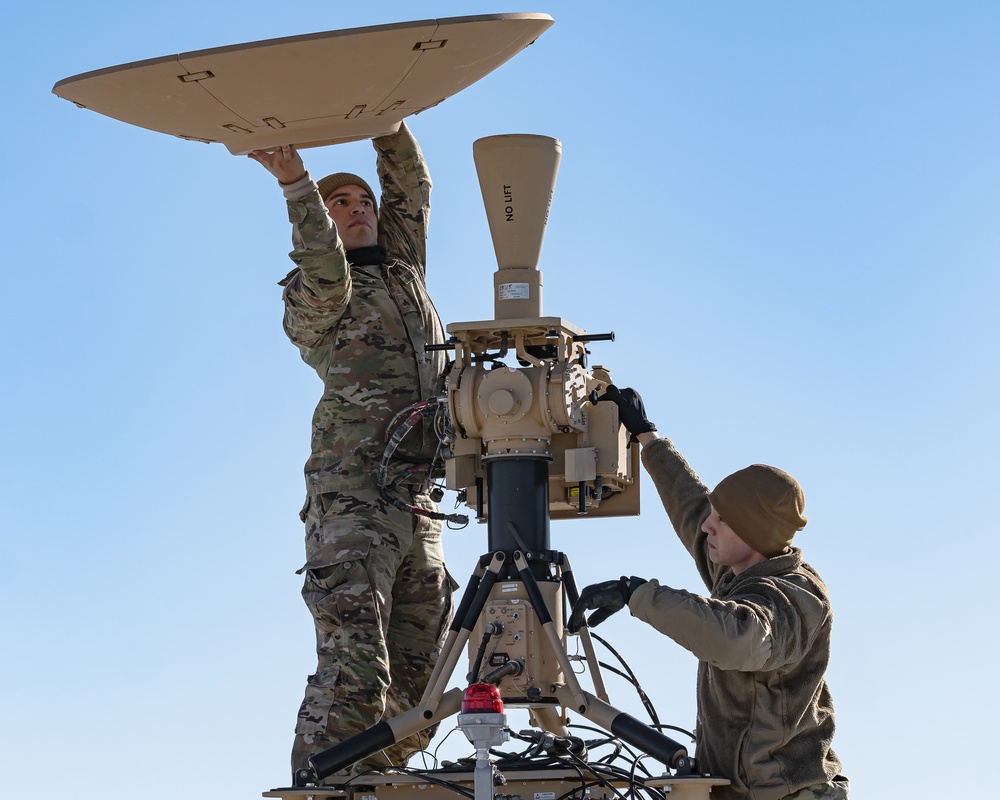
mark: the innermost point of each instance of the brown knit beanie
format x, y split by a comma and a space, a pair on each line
338, 179
763, 505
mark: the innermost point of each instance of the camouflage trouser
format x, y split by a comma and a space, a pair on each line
380, 597
831, 790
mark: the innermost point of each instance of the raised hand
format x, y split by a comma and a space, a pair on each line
283, 162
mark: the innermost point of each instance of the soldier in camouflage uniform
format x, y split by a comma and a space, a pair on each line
765, 715
356, 306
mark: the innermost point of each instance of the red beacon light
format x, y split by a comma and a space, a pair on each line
482, 698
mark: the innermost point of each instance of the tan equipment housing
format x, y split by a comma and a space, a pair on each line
544, 407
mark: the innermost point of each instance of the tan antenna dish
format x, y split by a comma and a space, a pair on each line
309, 90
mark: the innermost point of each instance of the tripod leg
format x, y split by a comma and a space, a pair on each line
635, 732
469, 609
445, 665
383, 734
573, 593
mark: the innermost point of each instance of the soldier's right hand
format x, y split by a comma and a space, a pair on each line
607, 598
283, 162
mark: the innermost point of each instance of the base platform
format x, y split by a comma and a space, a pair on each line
521, 784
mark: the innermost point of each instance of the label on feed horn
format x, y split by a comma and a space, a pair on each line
514, 291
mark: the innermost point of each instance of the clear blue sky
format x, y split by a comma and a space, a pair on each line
787, 212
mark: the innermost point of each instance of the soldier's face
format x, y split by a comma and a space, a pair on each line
725, 547
353, 211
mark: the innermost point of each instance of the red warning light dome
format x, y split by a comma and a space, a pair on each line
482, 697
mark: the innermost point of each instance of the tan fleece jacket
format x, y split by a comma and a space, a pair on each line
765, 715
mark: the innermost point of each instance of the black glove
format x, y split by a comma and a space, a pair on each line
607, 598
631, 411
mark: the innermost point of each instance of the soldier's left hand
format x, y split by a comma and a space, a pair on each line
607, 598
631, 411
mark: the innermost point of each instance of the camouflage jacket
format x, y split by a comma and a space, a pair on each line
363, 328
765, 714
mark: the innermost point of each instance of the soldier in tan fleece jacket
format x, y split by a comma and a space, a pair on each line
762, 635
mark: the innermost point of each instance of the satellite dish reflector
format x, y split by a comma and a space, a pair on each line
309, 90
